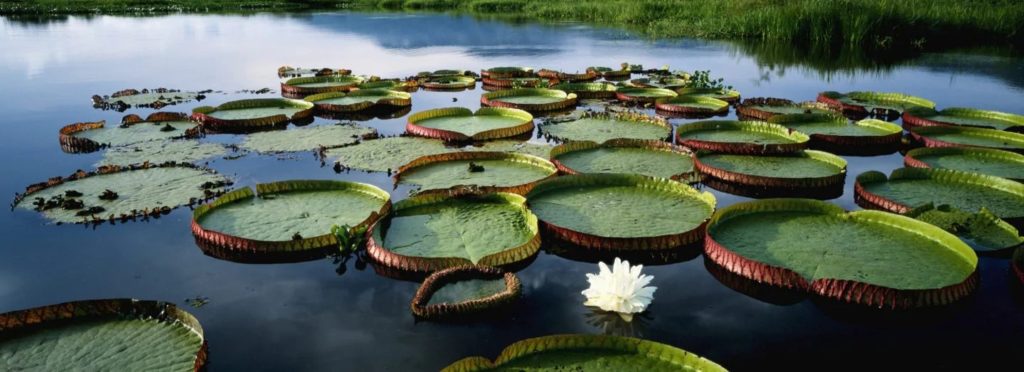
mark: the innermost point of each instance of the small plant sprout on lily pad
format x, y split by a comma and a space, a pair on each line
622, 289
349, 239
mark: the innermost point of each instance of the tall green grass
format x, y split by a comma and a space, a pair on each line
873, 25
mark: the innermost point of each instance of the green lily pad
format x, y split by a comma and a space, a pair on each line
832, 125
601, 127
137, 132
529, 99
139, 192
873, 101
664, 82
450, 82
649, 158
506, 72
291, 72
288, 210
429, 233
740, 137
320, 84
358, 100
391, 153
912, 187
983, 231
588, 353
643, 94
100, 335
255, 109
764, 108
944, 136
620, 205
157, 152
155, 98
727, 95
536, 149
868, 257
506, 172
805, 164
992, 162
307, 138
457, 123
960, 116
588, 90
692, 104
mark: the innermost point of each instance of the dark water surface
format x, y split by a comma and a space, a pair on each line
305, 316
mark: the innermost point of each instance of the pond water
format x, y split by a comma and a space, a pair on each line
324, 315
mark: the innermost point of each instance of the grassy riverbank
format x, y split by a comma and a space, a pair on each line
820, 24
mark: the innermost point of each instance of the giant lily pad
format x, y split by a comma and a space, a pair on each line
621, 211
492, 84
319, 84
506, 72
609, 73
601, 127
832, 132
308, 138
253, 114
764, 108
388, 154
292, 72
102, 335
869, 258
969, 159
588, 353
570, 77
588, 90
359, 100
643, 95
967, 117
85, 137
727, 95
427, 233
944, 136
450, 82
156, 98
492, 171
864, 103
983, 231
156, 152
390, 84
649, 158
669, 82
785, 174
461, 124
464, 291
907, 188
287, 220
138, 190
740, 137
529, 99
692, 105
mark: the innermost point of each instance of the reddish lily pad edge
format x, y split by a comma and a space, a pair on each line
422, 308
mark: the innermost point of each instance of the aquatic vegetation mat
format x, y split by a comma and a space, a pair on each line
359, 100
577, 352
643, 95
588, 90
907, 188
491, 171
287, 219
807, 169
115, 192
869, 258
946, 136
692, 105
876, 103
832, 132
91, 136
249, 115
462, 124
158, 152
145, 98
601, 127
982, 231
961, 116
740, 137
621, 211
464, 291
112, 334
319, 84
308, 138
648, 158
992, 162
530, 99
427, 233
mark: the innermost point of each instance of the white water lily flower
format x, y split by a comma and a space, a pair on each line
622, 289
